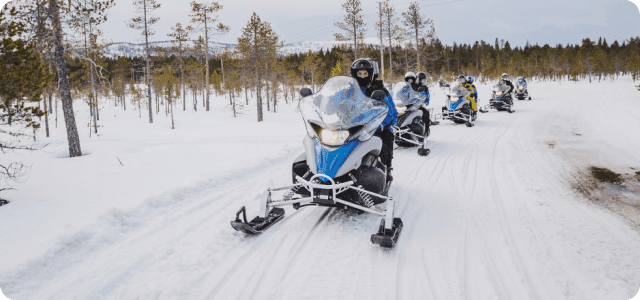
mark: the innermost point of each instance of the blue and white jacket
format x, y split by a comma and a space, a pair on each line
392, 114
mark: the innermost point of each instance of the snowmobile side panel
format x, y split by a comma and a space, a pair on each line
409, 119
373, 145
309, 147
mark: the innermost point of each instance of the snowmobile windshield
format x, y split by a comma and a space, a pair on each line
404, 95
521, 82
458, 90
341, 105
500, 87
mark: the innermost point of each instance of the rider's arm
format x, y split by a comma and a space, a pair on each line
392, 115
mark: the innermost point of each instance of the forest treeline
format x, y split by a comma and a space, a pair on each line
60, 43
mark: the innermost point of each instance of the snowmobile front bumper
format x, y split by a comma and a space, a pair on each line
271, 211
457, 115
423, 151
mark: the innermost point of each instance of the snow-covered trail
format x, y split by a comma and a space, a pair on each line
490, 214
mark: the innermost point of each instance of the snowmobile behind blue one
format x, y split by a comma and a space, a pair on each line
458, 107
521, 92
340, 166
501, 99
411, 130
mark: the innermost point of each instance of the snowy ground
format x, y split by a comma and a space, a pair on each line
490, 214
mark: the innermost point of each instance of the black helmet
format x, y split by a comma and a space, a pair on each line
422, 78
462, 79
362, 71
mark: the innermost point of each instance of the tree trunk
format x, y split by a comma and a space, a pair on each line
46, 115
63, 82
206, 47
417, 48
148, 70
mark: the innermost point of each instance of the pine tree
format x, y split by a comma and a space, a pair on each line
181, 36
143, 22
24, 78
420, 27
202, 14
310, 66
258, 45
353, 25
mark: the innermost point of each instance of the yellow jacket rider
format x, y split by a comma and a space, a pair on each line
463, 81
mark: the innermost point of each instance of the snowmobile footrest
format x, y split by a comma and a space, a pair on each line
258, 224
387, 237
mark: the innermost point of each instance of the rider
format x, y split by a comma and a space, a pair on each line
411, 78
463, 81
505, 78
423, 89
524, 79
474, 94
362, 71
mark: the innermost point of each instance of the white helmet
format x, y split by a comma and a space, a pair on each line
410, 77
504, 76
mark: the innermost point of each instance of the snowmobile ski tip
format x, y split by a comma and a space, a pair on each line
258, 224
388, 237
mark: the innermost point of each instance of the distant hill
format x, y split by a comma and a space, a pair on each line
137, 50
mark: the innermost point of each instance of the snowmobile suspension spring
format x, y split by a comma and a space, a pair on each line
289, 195
365, 198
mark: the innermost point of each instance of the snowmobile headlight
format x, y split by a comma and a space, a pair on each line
401, 110
498, 94
334, 138
521, 87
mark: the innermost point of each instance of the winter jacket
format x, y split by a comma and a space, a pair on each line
392, 114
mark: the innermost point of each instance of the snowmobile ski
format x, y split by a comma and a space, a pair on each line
258, 224
387, 237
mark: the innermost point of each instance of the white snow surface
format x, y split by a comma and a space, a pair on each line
490, 214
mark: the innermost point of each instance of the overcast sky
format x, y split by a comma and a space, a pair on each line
462, 21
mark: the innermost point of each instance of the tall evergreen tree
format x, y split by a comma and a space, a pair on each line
258, 45
353, 25
143, 22
203, 14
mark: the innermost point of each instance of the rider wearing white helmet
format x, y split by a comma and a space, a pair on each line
505, 78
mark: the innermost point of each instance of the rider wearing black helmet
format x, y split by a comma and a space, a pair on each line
424, 90
362, 70
470, 81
